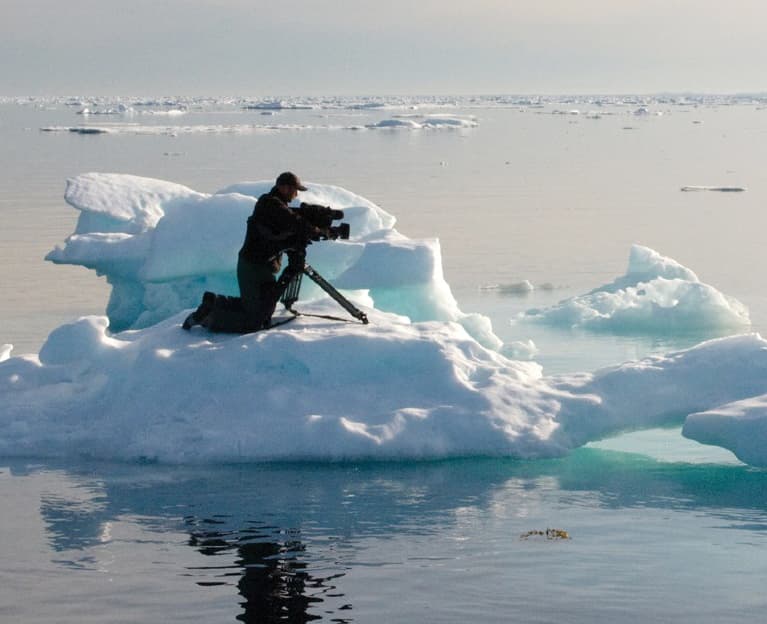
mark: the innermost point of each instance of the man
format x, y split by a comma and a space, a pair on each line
272, 229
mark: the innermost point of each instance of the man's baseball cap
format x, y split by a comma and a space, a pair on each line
290, 179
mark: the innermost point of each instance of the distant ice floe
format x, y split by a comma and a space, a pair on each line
656, 295
721, 189
171, 112
120, 109
418, 122
638, 106
78, 129
430, 123
128, 111
515, 288
274, 105
396, 123
177, 130
408, 113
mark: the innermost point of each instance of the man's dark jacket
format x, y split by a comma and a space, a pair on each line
272, 228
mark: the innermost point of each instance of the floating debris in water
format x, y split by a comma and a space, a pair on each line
549, 534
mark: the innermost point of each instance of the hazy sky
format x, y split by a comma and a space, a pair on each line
303, 47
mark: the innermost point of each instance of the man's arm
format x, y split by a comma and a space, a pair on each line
278, 222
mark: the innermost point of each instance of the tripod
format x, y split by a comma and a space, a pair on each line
290, 296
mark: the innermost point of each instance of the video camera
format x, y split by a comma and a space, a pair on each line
322, 217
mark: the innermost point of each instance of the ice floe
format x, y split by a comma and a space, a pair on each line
656, 295
422, 380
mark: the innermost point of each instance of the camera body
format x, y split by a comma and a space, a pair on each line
322, 217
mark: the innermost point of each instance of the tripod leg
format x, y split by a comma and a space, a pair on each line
339, 298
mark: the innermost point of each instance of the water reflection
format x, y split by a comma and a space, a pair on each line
349, 501
284, 538
274, 581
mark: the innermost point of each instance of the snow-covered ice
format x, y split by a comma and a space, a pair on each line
420, 122
422, 380
176, 130
323, 390
424, 123
161, 245
656, 295
740, 426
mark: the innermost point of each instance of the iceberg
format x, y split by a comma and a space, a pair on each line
656, 295
160, 245
423, 380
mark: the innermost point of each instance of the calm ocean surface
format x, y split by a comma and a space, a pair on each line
661, 529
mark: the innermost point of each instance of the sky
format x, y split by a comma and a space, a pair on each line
359, 47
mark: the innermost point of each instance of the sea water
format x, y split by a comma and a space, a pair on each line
636, 540
655, 528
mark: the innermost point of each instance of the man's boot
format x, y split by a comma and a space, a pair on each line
203, 310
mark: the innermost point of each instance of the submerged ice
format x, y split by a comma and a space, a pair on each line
422, 380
